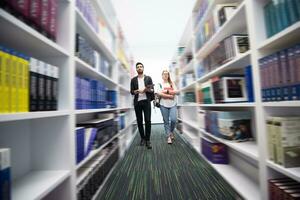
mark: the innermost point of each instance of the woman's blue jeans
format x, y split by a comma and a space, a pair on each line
170, 117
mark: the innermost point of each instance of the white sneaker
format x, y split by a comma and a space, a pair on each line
169, 140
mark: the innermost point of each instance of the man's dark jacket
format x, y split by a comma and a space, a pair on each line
134, 85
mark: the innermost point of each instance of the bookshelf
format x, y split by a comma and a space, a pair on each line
42, 143
249, 168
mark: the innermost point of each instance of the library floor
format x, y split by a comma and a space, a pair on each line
166, 172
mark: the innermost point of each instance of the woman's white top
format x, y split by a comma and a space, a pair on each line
167, 102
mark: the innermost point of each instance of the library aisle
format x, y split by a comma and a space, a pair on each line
166, 172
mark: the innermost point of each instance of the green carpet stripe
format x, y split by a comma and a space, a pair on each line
166, 172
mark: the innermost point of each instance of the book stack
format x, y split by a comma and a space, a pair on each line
284, 140
222, 12
27, 84
89, 13
215, 152
187, 79
14, 88
231, 88
5, 175
85, 51
39, 14
97, 170
279, 72
280, 14
102, 130
228, 49
201, 11
80, 144
189, 97
43, 84
90, 94
205, 32
283, 188
229, 125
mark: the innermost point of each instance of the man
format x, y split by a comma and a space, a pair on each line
141, 87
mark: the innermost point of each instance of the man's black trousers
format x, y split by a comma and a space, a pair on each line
140, 107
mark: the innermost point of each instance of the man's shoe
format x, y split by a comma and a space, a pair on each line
143, 142
148, 145
169, 141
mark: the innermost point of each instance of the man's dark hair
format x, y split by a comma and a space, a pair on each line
138, 63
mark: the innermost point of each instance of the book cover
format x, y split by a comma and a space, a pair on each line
45, 16
2, 67
80, 142
291, 11
249, 83
5, 174
48, 86
286, 95
21, 7
6, 87
54, 87
52, 25
25, 83
33, 81
90, 136
214, 151
35, 13
41, 85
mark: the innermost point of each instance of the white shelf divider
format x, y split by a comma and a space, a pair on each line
37, 184
282, 104
286, 36
237, 63
228, 105
78, 112
248, 148
293, 173
85, 69
32, 115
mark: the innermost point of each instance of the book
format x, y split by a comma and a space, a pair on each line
35, 10
235, 125
48, 86
54, 87
80, 144
215, 152
5, 174
33, 88
288, 141
90, 137
41, 66
2, 67
249, 83
224, 13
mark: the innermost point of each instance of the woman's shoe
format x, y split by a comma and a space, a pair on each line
169, 140
172, 136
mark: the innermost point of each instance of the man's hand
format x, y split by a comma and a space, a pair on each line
136, 91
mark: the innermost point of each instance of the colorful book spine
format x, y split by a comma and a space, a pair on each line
33, 88
54, 87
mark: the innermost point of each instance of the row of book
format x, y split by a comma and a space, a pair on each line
283, 135
39, 14
92, 134
215, 152
280, 14
187, 79
283, 189
280, 75
87, 8
97, 170
189, 97
219, 15
89, 13
88, 54
201, 11
229, 125
27, 84
232, 88
92, 94
231, 47
5, 174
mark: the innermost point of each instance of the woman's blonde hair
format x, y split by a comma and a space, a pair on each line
169, 77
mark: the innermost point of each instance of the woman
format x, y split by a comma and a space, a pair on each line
168, 104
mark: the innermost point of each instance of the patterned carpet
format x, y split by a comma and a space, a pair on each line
174, 172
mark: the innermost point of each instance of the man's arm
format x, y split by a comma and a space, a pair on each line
132, 91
